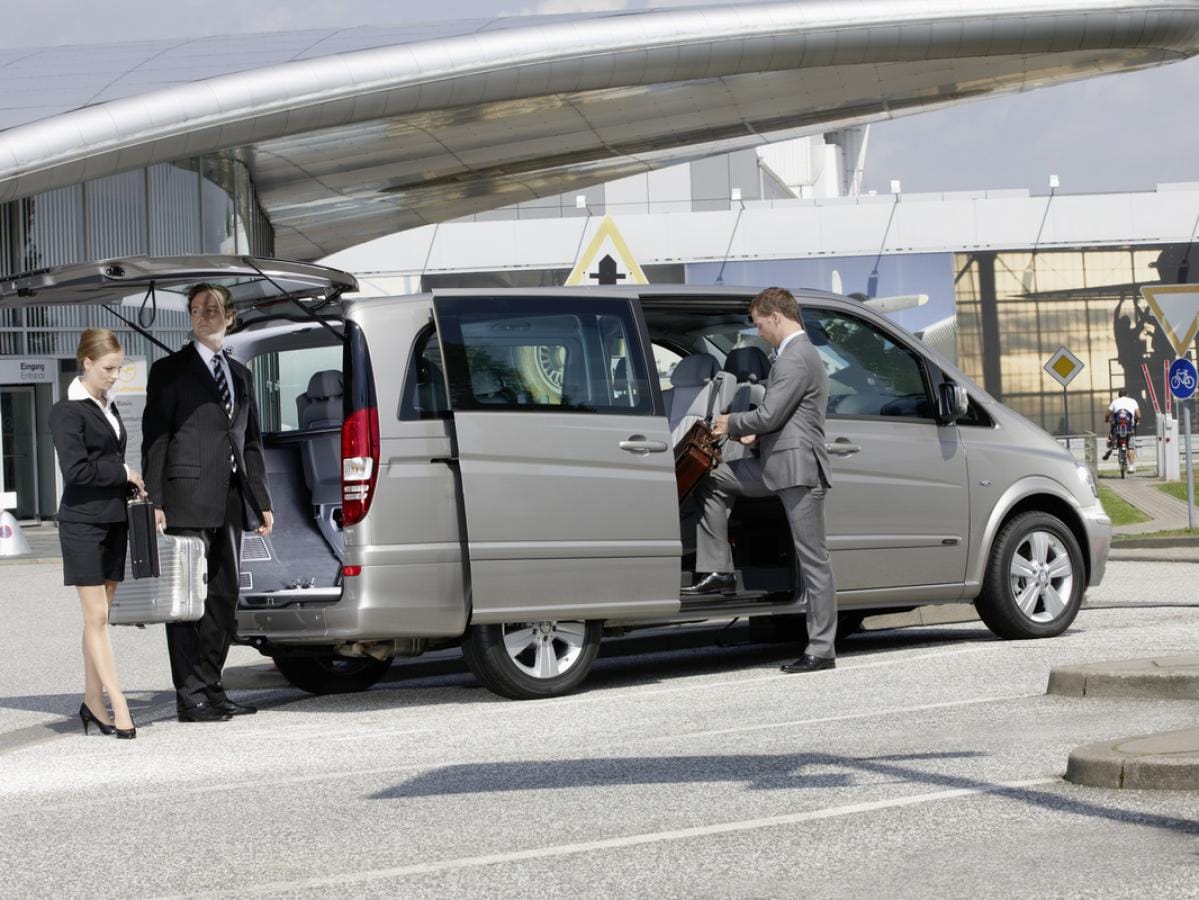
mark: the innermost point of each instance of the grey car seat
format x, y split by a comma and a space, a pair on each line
750, 367
320, 407
692, 381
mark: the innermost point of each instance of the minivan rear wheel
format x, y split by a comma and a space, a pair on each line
332, 674
1035, 579
532, 660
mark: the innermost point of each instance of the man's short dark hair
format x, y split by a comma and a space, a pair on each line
205, 288
1121, 393
775, 300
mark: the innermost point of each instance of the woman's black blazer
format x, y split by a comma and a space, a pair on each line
92, 459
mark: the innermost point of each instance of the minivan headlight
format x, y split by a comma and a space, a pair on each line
1085, 476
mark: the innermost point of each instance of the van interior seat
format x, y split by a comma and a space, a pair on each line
692, 383
320, 407
750, 367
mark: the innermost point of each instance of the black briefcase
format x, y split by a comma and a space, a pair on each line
143, 539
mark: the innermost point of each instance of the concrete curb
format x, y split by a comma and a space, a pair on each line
1162, 678
1158, 762
30, 560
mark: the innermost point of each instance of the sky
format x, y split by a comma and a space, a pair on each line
1117, 133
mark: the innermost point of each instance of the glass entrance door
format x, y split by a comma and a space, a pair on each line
18, 443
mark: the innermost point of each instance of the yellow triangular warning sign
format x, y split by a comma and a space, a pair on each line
607, 260
1176, 308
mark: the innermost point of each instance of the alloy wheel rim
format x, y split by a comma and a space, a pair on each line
1041, 576
545, 649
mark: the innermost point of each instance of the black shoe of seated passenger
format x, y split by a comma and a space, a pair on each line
712, 583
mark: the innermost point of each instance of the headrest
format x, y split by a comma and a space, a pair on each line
694, 370
747, 364
323, 385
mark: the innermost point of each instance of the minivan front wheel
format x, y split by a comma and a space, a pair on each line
1035, 579
531, 660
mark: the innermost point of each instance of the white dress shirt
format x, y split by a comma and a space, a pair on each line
208, 355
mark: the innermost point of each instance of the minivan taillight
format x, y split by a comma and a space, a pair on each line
359, 428
359, 463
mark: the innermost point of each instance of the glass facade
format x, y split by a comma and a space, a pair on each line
195, 206
1016, 308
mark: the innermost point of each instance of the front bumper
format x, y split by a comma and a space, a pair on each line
1098, 528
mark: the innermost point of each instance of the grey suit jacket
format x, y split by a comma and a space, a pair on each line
790, 420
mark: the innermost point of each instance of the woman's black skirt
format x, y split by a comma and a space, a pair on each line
93, 553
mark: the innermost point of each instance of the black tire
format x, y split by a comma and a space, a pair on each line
1032, 535
487, 654
332, 674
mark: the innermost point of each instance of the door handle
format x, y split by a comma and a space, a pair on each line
842, 447
637, 443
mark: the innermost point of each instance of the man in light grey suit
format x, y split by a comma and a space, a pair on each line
788, 427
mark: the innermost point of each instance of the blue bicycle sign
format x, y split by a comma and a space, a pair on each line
1182, 378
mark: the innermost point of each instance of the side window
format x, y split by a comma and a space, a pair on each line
298, 389
549, 354
424, 394
665, 360
976, 416
869, 373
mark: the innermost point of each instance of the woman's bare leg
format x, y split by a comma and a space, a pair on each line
93, 691
97, 649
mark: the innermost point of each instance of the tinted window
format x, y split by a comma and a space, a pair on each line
552, 354
869, 373
424, 394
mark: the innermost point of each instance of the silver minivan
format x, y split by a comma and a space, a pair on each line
493, 468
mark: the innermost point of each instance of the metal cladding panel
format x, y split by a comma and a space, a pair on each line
466, 116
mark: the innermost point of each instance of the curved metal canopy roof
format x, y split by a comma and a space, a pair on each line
353, 134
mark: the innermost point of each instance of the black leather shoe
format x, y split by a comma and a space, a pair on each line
808, 663
712, 583
203, 712
234, 709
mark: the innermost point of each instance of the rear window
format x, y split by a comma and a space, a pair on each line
298, 389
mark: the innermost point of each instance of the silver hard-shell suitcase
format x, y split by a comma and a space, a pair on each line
176, 595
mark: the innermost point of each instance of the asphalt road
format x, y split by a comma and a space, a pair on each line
928, 763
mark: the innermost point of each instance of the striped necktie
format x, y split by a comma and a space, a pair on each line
222, 385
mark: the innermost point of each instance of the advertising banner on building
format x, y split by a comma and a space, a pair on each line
129, 394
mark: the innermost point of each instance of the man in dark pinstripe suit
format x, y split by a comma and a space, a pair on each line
202, 458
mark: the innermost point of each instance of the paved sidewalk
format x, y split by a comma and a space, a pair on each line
1168, 761
1166, 513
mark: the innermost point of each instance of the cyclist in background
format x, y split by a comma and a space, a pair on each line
1125, 409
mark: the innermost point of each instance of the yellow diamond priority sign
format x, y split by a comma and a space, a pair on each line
1064, 366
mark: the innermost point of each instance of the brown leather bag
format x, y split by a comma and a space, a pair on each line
697, 454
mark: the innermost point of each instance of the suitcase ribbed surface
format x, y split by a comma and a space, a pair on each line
176, 595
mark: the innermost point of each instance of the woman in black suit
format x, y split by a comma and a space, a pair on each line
90, 441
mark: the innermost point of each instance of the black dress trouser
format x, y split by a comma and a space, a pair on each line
198, 649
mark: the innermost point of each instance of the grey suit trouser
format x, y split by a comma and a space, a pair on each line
805, 513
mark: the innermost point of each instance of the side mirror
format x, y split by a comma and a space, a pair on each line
952, 402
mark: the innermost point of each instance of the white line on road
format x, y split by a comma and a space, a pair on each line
893, 711
341, 880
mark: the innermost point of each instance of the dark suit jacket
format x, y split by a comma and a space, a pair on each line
187, 438
92, 459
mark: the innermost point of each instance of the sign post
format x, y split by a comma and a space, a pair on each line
1182, 385
1064, 367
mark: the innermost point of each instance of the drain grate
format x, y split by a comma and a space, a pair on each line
254, 548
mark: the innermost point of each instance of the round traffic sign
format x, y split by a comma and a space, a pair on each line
1182, 378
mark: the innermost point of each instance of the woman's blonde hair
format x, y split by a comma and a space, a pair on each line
94, 343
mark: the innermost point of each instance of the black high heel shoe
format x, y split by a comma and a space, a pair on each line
88, 718
127, 734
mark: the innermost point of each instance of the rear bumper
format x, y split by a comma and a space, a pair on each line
1098, 528
382, 603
